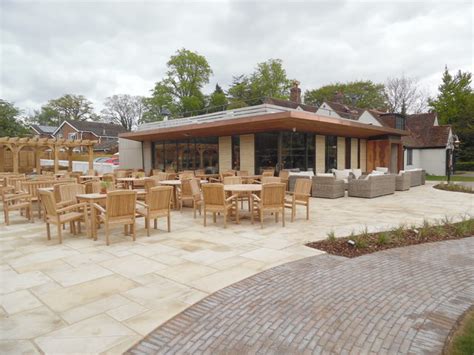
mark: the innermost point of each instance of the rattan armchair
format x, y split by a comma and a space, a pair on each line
272, 199
60, 216
157, 204
215, 201
119, 209
300, 196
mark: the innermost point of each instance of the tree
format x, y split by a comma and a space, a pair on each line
10, 123
454, 105
362, 94
403, 95
125, 110
180, 91
268, 80
66, 107
217, 100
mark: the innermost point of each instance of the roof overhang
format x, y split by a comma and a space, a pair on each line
299, 121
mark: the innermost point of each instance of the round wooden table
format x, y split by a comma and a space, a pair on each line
244, 189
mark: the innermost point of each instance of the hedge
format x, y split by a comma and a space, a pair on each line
465, 166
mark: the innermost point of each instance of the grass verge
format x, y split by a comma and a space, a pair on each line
445, 178
462, 339
366, 243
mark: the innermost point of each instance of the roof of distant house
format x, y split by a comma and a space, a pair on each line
100, 129
41, 129
345, 111
289, 104
424, 133
106, 145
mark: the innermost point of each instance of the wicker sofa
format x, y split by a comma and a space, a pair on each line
402, 181
372, 186
326, 186
417, 177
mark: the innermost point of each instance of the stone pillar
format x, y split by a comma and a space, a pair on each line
354, 153
225, 153
320, 154
363, 155
341, 153
247, 153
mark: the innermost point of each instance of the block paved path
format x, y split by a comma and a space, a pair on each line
395, 301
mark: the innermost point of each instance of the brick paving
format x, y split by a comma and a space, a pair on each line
396, 301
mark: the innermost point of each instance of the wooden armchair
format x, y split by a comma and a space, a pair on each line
68, 193
215, 201
284, 177
268, 173
68, 214
242, 173
184, 192
222, 176
157, 204
119, 209
270, 180
272, 199
232, 180
299, 196
16, 202
92, 187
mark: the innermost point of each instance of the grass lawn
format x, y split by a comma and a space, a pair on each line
462, 341
445, 178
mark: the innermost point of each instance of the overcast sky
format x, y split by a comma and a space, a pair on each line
102, 48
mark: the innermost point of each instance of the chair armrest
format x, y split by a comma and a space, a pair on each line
214, 180
72, 207
255, 197
233, 197
17, 196
141, 203
99, 207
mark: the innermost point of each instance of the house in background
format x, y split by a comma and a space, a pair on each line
105, 133
41, 131
339, 110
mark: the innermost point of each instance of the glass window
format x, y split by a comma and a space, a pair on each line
266, 151
236, 152
297, 150
208, 150
171, 157
409, 156
331, 153
399, 122
348, 153
159, 156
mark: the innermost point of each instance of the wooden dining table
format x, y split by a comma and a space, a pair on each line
90, 177
96, 198
129, 182
244, 189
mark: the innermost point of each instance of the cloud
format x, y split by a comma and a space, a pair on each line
102, 48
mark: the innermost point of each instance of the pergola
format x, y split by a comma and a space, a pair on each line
16, 144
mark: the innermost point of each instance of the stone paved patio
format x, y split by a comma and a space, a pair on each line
403, 300
83, 296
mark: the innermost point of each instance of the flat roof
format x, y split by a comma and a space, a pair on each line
255, 119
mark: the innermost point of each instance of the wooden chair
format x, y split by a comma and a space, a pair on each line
197, 196
119, 209
242, 173
268, 173
155, 172
186, 175
109, 178
68, 193
91, 172
157, 204
68, 214
222, 176
270, 180
215, 201
272, 199
284, 177
20, 201
232, 180
198, 172
92, 187
150, 182
300, 196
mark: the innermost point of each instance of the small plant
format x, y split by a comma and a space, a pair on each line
399, 232
424, 230
331, 236
383, 238
364, 233
104, 186
461, 228
360, 242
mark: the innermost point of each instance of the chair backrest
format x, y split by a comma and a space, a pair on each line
159, 198
186, 188
150, 182
171, 176
195, 189
121, 203
213, 194
242, 173
273, 194
302, 187
270, 179
199, 172
155, 171
92, 187
120, 173
232, 180
267, 173
49, 202
15, 181
68, 192
109, 178
284, 174
186, 175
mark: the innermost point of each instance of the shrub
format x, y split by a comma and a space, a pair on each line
383, 238
331, 236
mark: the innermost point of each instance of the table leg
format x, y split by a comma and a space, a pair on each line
251, 206
93, 221
175, 197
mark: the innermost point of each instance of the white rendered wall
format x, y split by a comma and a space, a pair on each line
130, 154
367, 118
433, 161
326, 110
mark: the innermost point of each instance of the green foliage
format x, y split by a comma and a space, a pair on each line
465, 166
383, 238
10, 124
331, 236
463, 339
455, 105
217, 100
362, 94
180, 91
268, 80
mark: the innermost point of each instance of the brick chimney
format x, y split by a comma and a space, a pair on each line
295, 92
338, 97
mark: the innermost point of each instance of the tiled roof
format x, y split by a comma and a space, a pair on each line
43, 129
98, 128
423, 132
289, 104
106, 145
352, 113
